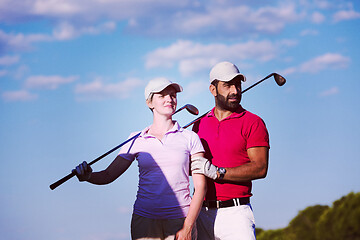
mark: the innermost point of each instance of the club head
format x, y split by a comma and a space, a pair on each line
280, 80
192, 109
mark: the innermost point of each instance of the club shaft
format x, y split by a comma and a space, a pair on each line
245, 90
180, 109
69, 176
258, 82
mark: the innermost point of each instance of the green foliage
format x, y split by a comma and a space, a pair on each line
303, 226
258, 231
277, 234
341, 221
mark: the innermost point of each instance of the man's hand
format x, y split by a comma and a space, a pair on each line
83, 171
203, 166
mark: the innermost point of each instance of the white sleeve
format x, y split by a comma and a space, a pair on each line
196, 145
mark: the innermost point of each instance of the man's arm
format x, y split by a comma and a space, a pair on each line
255, 169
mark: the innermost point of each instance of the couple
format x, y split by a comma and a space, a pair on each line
229, 150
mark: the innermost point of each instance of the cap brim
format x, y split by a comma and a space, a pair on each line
177, 87
231, 77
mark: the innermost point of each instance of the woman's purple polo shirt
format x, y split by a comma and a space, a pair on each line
163, 191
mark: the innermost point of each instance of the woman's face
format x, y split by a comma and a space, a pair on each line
164, 102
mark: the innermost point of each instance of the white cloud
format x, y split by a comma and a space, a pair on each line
56, 7
216, 19
97, 89
289, 71
309, 32
19, 41
346, 15
63, 31
322, 4
273, 19
329, 92
287, 43
194, 88
164, 17
326, 61
191, 65
48, 82
21, 71
191, 57
3, 73
317, 18
67, 31
83, 10
21, 95
9, 60
157, 16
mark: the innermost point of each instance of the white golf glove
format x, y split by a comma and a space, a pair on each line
203, 166
83, 171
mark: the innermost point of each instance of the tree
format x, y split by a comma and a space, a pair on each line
339, 222
342, 221
271, 235
303, 226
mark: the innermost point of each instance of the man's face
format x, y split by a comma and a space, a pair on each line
228, 94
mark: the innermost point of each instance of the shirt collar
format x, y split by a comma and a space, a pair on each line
240, 111
175, 128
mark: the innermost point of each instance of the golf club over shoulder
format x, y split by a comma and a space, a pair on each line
69, 176
190, 108
280, 81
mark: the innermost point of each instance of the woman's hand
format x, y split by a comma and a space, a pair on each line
184, 234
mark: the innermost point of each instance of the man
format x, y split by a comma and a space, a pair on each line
236, 146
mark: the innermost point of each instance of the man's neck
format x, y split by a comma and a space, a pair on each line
221, 113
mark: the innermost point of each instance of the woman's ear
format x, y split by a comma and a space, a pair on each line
212, 89
149, 103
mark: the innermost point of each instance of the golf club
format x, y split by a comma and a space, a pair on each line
190, 108
280, 80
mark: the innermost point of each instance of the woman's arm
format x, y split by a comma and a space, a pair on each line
112, 172
195, 205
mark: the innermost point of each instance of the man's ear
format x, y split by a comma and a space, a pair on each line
212, 89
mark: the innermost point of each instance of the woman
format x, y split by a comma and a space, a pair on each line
163, 208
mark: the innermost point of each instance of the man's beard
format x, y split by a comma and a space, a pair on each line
224, 103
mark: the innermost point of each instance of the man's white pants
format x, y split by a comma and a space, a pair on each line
231, 223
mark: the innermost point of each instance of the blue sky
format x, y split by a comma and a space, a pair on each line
72, 77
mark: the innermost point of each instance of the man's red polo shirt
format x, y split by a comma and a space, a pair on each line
226, 143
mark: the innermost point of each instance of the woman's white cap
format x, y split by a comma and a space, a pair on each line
156, 85
225, 71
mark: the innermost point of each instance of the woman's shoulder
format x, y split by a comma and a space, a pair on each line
190, 133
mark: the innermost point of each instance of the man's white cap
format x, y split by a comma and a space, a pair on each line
225, 71
156, 85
